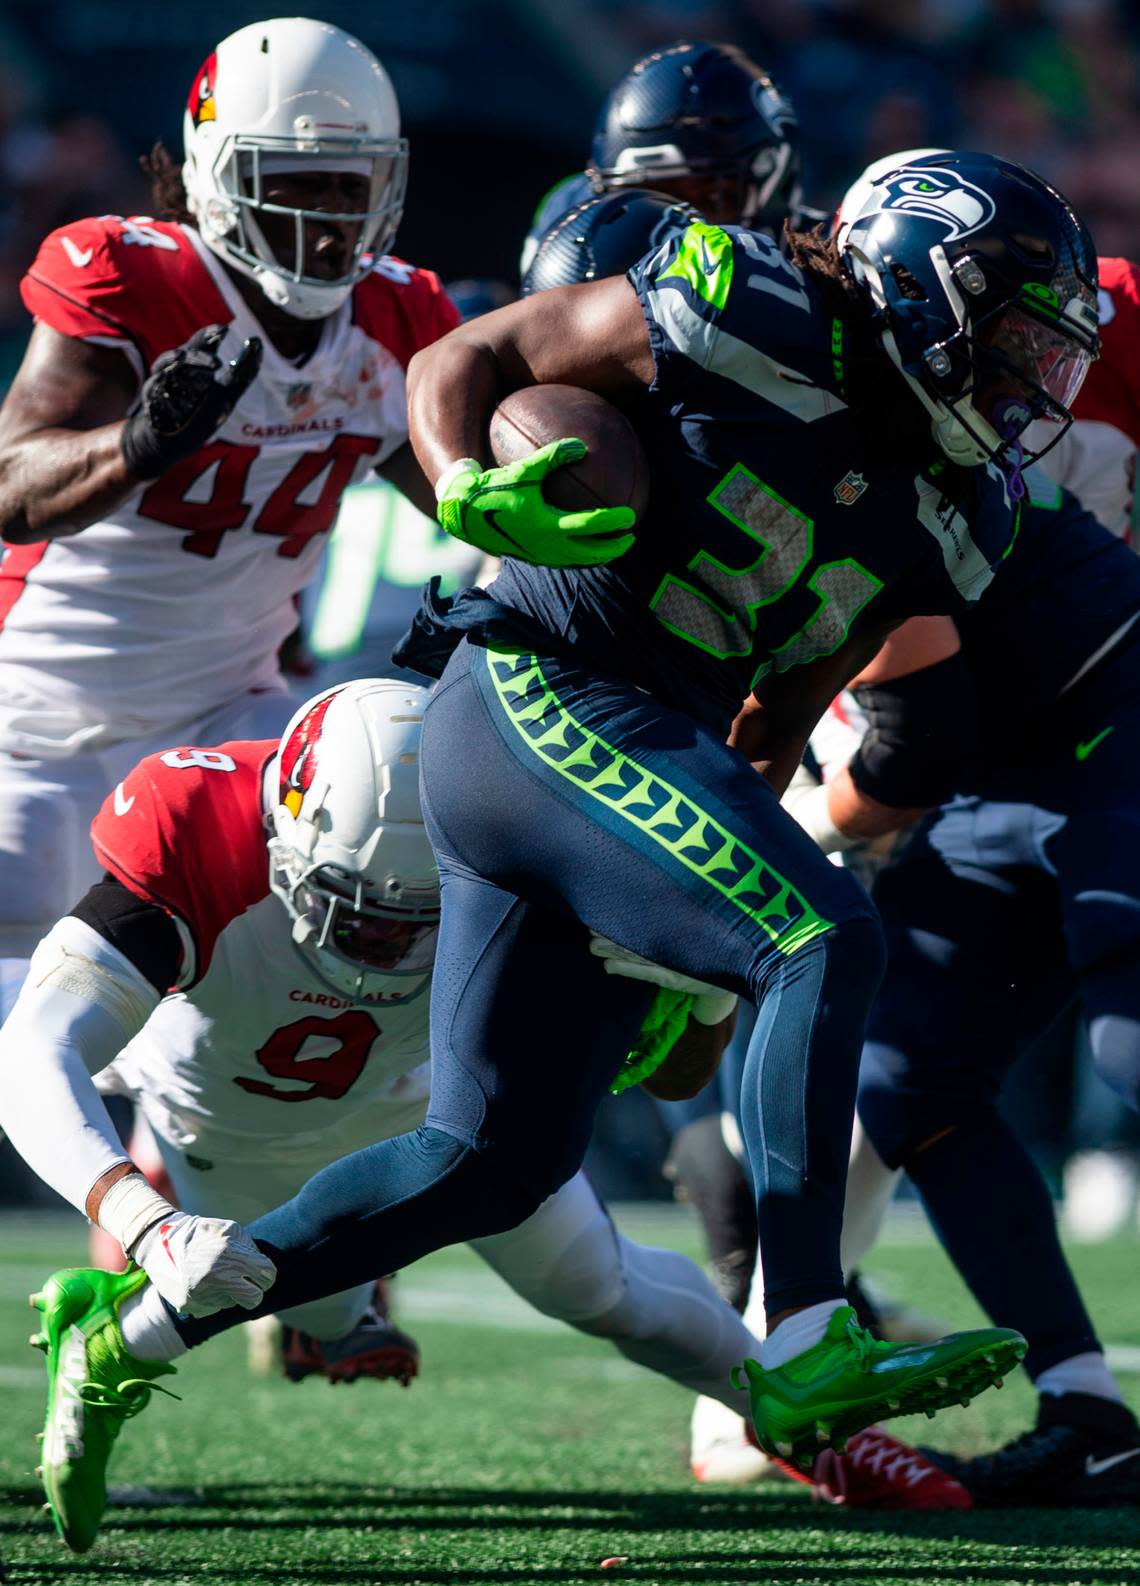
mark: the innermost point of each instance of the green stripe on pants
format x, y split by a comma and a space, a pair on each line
649, 803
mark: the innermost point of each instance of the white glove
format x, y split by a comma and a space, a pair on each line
712, 1005
203, 1264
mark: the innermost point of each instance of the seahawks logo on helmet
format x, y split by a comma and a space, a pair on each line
935, 195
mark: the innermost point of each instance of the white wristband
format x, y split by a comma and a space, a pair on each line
713, 1007
462, 465
130, 1207
812, 812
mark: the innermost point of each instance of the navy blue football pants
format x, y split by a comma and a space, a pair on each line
559, 801
1008, 904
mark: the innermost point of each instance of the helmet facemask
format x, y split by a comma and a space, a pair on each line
241, 172
293, 97
983, 286
362, 945
1023, 359
349, 856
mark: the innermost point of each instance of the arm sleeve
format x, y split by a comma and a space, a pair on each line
82, 1001
923, 730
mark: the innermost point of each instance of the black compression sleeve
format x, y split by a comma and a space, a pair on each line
141, 931
924, 732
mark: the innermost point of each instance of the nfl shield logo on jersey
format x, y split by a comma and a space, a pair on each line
850, 488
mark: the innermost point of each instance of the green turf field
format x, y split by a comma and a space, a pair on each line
523, 1454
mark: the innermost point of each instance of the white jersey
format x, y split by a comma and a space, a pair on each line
252, 1057
178, 602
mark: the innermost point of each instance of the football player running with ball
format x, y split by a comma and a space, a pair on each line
833, 441
269, 1014
197, 393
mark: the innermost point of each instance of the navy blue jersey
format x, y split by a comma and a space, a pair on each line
775, 524
1058, 635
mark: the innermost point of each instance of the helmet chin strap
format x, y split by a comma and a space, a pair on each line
949, 433
297, 299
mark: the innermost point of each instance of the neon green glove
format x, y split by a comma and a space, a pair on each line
503, 512
663, 1027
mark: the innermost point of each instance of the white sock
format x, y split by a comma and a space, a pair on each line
755, 1316
1087, 1373
797, 1333
147, 1329
871, 1186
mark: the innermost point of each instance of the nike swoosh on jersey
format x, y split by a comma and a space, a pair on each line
1097, 1467
709, 265
122, 805
78, 256
1085, 749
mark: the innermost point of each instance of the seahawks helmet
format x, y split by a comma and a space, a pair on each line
983, 283
704, 114
603, 237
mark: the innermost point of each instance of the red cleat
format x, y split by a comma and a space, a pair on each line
878, 1471
374, 1348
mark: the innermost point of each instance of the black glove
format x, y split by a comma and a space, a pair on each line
188, 394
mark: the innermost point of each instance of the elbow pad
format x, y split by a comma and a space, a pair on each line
924, 731
82, 992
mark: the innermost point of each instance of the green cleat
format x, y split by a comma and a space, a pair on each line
94, 1385
849, 1380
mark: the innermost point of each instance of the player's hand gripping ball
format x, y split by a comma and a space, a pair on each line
570, 485
188, 395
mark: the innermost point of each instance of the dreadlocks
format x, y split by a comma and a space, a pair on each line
167, 194
890, 419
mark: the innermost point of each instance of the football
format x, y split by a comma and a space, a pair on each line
614, 472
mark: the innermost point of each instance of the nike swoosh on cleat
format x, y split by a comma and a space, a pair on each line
122, 805
1097, 1467
1085, 749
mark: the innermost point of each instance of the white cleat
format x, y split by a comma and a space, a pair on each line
720, 1449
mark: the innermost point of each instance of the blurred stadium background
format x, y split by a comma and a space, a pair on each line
498, 99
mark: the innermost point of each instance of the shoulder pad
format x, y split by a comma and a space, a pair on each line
132, 279
184, 830
403, 308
